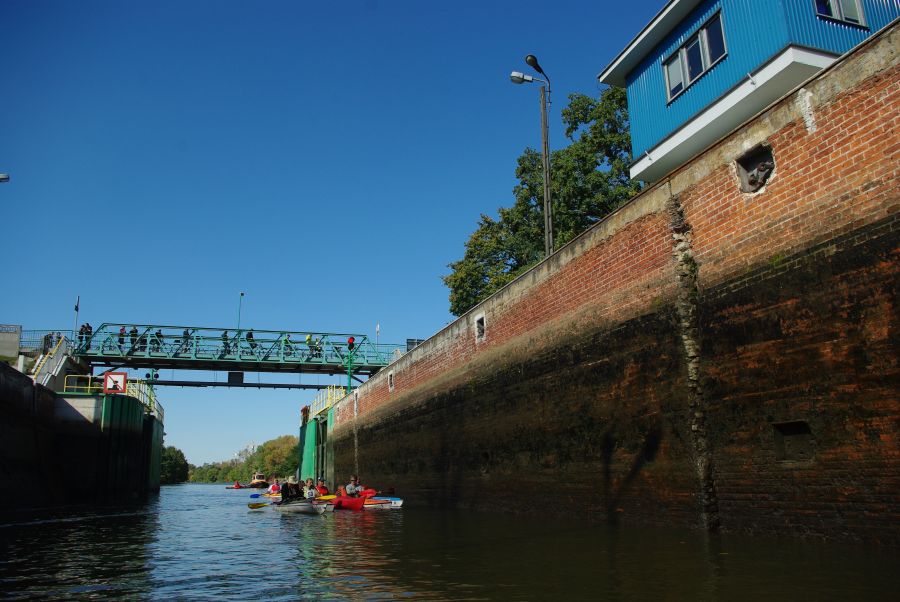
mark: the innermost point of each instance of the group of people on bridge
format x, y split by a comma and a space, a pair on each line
242, 343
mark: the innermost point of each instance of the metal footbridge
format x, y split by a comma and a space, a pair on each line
220, 349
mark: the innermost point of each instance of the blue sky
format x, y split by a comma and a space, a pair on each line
330, 159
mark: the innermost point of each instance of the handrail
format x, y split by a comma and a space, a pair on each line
326, 398
58, 358
141, 390
36, 371
180, 343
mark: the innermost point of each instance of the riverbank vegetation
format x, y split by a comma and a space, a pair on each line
279, 457
173, 467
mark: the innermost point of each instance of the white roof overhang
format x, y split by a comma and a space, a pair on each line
652, 34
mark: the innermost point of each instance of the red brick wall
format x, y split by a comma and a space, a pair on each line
588, 381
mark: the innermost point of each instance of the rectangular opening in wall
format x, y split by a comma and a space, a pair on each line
480, 328
390, 381
794, 442
755, 167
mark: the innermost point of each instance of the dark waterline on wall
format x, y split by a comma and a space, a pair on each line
202, 541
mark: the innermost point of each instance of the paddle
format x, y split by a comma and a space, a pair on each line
257, 505
255, 495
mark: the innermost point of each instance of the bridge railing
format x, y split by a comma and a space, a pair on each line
41, 341
179, 342
141, 390
325, 399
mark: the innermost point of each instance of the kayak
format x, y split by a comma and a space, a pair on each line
300, 506
396, 502
329, 507
236, 487
343, 502
377, 504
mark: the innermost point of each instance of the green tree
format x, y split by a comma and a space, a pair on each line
589, 181
278, 457
173, 466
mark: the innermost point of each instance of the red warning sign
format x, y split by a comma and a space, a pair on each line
114, 382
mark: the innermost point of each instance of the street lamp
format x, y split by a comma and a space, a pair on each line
518, 77
240, 302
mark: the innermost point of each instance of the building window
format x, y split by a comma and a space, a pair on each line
696, 57
843, 10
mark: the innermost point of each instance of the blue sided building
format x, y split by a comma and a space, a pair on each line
700, 68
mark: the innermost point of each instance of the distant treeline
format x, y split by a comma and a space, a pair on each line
279, 457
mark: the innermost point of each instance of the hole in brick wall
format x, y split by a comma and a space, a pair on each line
480, 328
755, 167
794, 442
390, 381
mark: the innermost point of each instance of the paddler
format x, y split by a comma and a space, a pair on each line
309, 490
353, 488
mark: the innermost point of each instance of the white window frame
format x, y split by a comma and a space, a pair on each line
680, 55
837, 7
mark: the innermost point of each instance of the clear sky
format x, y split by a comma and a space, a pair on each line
330, 159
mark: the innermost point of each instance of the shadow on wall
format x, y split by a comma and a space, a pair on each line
612, 493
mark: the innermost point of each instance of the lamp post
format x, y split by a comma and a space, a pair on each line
518, 77
240, 302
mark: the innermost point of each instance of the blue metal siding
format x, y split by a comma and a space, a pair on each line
809, 29
652, 116
755, 31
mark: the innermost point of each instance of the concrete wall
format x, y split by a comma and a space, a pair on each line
27, 446
78, 450
703, 356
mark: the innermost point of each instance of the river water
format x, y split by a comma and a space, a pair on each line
202, 542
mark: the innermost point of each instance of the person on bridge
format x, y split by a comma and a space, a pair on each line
185, 340
225, 347
88, 331
251, 342
121, 339
157, 340
288, 346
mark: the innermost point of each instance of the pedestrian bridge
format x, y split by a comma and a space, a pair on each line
199, 348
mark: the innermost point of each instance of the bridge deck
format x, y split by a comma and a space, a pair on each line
192, 348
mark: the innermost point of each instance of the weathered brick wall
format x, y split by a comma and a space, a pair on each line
703, 356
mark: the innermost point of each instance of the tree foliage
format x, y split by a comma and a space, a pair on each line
173, 466
278, 457
589, 180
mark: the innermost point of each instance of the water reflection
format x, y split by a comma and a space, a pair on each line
203, 542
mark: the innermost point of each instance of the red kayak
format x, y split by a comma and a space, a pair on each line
344, 502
